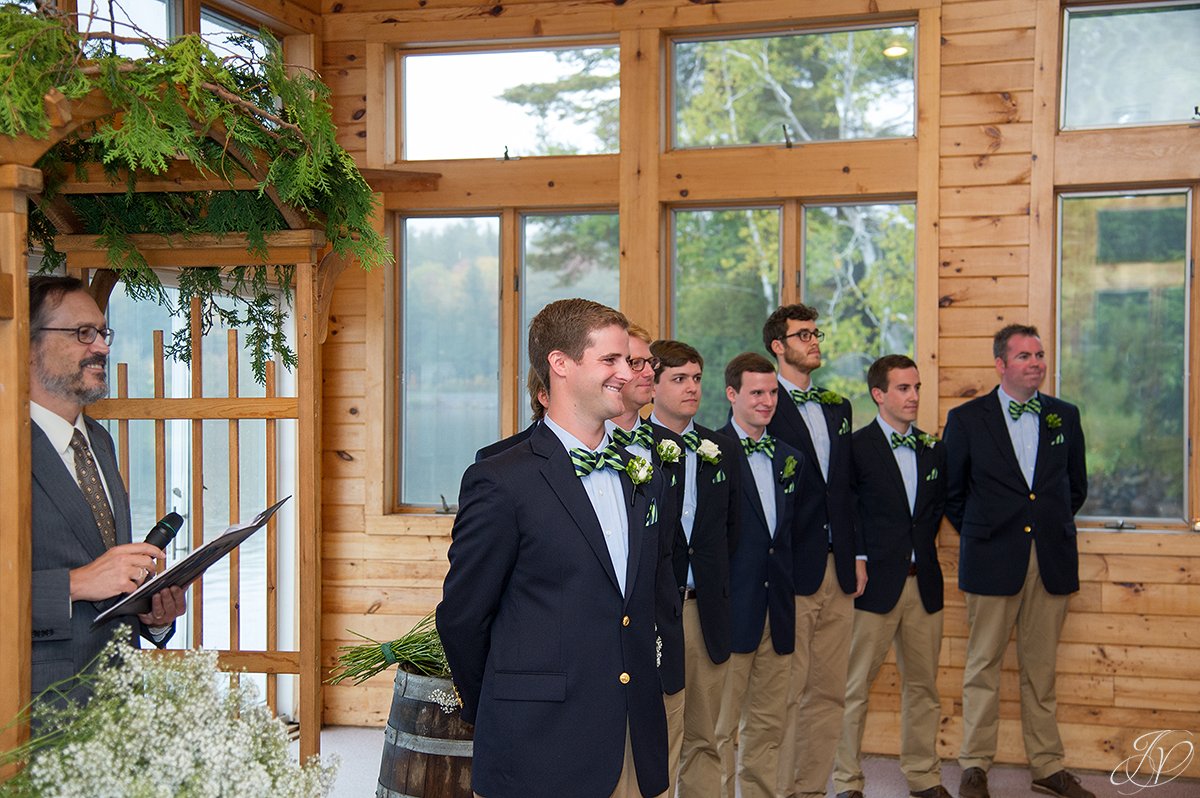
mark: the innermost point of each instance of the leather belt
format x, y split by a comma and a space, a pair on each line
912, 569
687, 593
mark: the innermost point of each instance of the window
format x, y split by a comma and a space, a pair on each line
1130, 65
450, 352
726, 278
813, 86
128, 19
229, 37
562, 256
859, 272
510, 104
1123, 346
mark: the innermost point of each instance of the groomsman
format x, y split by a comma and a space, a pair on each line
828, 565
761, 595
537, 405
899, 486
637, 436
1016, 478
704, 539
548, 608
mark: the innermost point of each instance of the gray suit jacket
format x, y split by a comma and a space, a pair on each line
65, 537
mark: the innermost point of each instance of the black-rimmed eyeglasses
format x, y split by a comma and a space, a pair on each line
86, 334
639, 363
804, 335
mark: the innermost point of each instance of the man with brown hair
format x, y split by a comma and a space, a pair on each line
1017, 476
827, 570
705, 536
900, 491
548, 608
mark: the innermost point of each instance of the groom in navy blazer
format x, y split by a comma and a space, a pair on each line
547, 613
1017, 476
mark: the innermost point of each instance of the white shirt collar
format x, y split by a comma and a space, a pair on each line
570, 441
57, 429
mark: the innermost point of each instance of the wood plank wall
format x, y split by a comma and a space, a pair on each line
1128, 657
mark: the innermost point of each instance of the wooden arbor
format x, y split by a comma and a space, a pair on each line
316, 270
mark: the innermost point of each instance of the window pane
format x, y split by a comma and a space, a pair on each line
1123, 347
531, 102
450, 338
826, 86
1131, 66
564, 256
129, 19
726, 282
230, 38
859, 273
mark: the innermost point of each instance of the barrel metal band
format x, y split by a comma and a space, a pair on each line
384, 792
427, 745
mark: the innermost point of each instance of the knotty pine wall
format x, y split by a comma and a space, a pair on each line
1128, 660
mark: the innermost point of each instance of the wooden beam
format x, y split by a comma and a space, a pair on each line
1127, 156
926, 346
198, 408
1043, 212
384, 180
7, 297
15, 177
178, 251
179, 176
550, 182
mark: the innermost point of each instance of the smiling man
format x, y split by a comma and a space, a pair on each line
82, 554
548, 609
704, 539
899, 487
1016, 477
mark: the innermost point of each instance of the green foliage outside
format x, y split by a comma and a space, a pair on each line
229, 116
1123, 349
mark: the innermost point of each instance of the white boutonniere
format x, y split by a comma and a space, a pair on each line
930, 441
669, 451
709, 452
639, 470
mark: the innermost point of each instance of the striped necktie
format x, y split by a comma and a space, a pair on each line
93, 489
692, 439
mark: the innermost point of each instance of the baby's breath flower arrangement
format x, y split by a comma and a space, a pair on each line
162, 726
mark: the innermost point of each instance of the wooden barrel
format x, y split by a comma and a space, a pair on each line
426, 750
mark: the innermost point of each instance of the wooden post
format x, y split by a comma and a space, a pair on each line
308, 382
16, 184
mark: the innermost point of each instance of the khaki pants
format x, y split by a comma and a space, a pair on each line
754, 710
918, 638
674, 704
704, 683
824, 624
1038, 617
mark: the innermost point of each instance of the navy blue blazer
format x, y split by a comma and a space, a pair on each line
504, 443
996, 513
827, 514
714, 538
761, 568
65, 537
551, 661
893, 534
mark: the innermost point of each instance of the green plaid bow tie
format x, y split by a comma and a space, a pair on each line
1015, 409
765, 444
692, 439
641, 435
587, 461
811, 395
908, 440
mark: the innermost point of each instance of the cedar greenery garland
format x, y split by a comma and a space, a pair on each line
420, 651
231, 116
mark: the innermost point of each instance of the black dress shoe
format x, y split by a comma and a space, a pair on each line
936, 791
1062, 784
850, 794
973, 784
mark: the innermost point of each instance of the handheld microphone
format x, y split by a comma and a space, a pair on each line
165, 530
